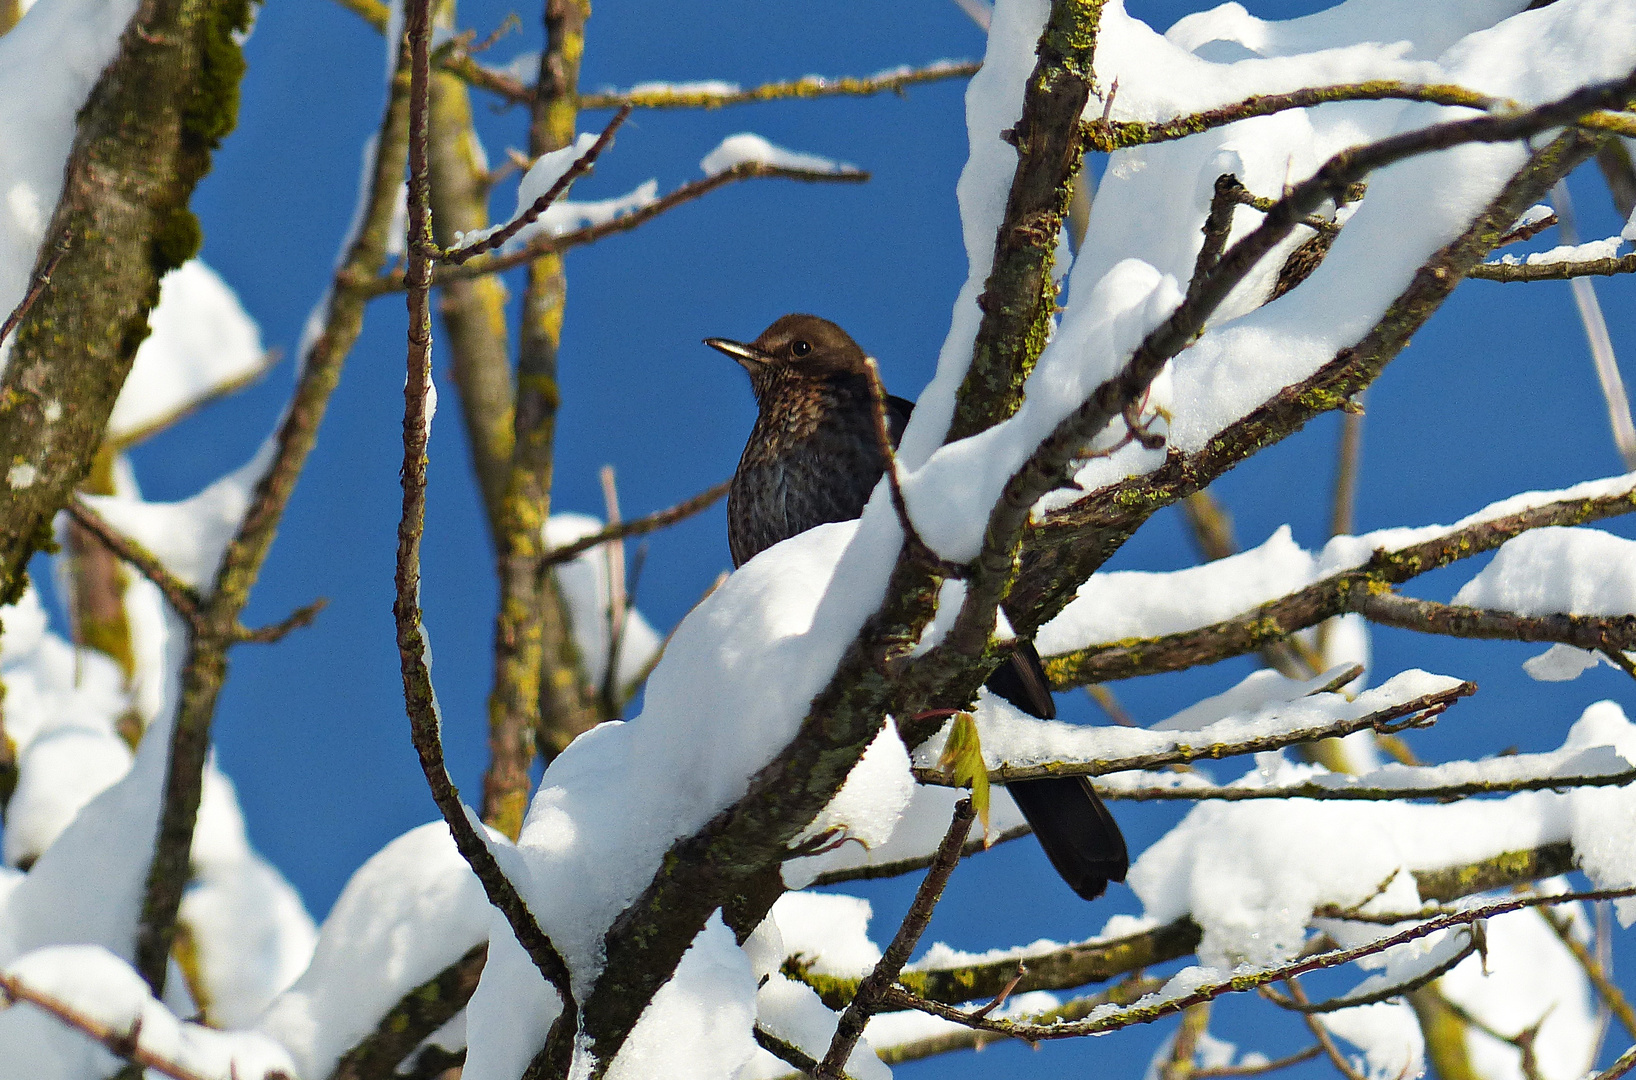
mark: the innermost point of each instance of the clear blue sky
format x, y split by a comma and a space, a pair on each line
1496, 397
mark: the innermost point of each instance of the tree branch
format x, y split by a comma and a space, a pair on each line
182, 597
659, 519
1562, 270
1352, 590
867, 1000
1070, 544
419, 698
547, 244
417, 1015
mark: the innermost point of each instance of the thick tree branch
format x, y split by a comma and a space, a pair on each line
1019, 297
143, 140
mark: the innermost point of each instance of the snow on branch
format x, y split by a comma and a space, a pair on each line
1556, 269
1196, 985
1165, 622
548, 243
1017, 747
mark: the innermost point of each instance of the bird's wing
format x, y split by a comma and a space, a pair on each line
897, 417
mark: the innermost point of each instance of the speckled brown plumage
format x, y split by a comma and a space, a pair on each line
813, 457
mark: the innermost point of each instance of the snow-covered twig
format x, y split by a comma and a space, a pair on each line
1318, 790
493, 241
417, 1015
867, 1000
1625, 1062
546, 243
419, 698
1614, 633
1194, 992
1184, 747
1072, 542
995, 570
1563, 270
126, 1044
1348, 590
895, 81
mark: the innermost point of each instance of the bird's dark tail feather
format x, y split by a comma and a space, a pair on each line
1078, 834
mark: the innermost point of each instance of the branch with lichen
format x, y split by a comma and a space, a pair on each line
1069, 544
1366, 589
1554, 270
416, 1016
1102, 961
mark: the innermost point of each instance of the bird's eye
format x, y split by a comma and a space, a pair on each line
800, 348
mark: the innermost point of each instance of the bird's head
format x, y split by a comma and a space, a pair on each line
797, 350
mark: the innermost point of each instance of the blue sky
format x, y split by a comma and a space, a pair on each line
1495, 397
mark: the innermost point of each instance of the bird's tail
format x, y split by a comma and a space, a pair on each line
1078, 834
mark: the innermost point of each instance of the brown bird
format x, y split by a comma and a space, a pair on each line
814, 457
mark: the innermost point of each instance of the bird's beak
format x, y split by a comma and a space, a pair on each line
750, 357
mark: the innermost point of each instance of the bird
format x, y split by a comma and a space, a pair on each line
813, 457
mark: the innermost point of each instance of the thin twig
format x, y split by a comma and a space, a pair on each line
620, 530
547, 244
1528, 231
618, 602
419, 697
1110, 704
126, 1044
883, 442
1223, 1072
300, 617
868, 1000
183, 598
36, 287
1416, 712
1321, 1033
1241, 981
813, 86
1620, 1067
579, 168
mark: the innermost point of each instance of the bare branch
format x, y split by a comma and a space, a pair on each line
1106, 136
295, 620
579, 168
419, 698
548, 244
183, 598
867, 1000
659, 519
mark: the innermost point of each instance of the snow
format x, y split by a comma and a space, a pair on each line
58, 774
1562, 663
867, 808
793, 1012
1013, 739
584, 584
1120, 605
1251, 874
828, 932
1575, 571
1389, 1036
746, 147
48, 64
98, 984
1530, 977
410, 911
541, 176
1568, 253
654, 88
202, 341
189, 536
